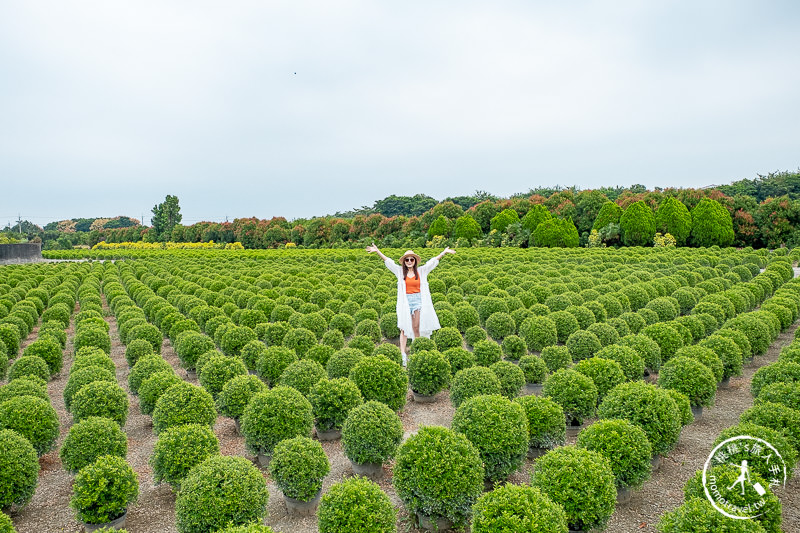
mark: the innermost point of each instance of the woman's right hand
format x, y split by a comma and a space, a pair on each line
372, 248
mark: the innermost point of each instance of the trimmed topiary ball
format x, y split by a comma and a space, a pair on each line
648, 407
147, 332
699, 515
778, 417
356, 505
273, 361
93, 337
29, 365
104, 490
605, 333
421, 343
219, 370
19, 469
511, 377
33, 418
222, 491
145, 367
690, 377
321, 353
780, 392
459, 359
574, 392
499, 325
103, 399
446, 338
487, 353
236, 394
184, 403
604, 373
546, 421
181, 448
514, 508
90, 439
6, 525
759, 464
667, 338
514, 347
684, 406
302, 375
533, 368
136, 349
91, 356
428, 372
475, 334
556, 357
23, 387
648, 350
342, 362
566, 324
438, 473
298, 467
582, 345
624, 445
707, 356
49, 350
236, 337
192, 345
498, 428
780, 371
754, 329
363, 344
539, 332
153, 387
274, 415
630, 362
472, 382
381, 380
588, 499
78, 379
371, 433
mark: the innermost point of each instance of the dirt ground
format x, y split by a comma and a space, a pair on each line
49, 511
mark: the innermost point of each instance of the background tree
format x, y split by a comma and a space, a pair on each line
672, 217
535, 216
711, 224
556, 233
638, 225
166, 215
468, 228
483, 213
777, 219
502, 219
588, 204
440, 226
609, 214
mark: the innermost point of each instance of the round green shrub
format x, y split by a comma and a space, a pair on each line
635, 322
356, 505
371, 433
539, 332
29, 365
588, 499
438, 473
90, 439
302, 375
78, 379
219, 370
6, 525
421, 343
33, 418
273, 361
251, 353
475, 334
648, 350
388, 350
23, 387
556, 357
534, 368
381, 380
650, 408
369, 328
631, 364
471, 382
780, 392
487, 353
459, 359
364, 344
298, 467
727, 351
511, 377
104, 489
342, 362
514, 508
514, 347
446, 338
49, 350
222, 491
684, 406
236, 393
103, 399
726, 475
388, 325
546, 421
499, 325
775, 416
181, 448
755, 330
583, 344
10, 337
19, 469
148, 332
274, 415
574, 392
184, 403
153, 387
698, 514
760, 463
780, 371
690, 377
136, 349
428, 372
604, 373
91, 356
667, 338
144, 368
707, 356
59, 313
624, 445
321, 353
331, 402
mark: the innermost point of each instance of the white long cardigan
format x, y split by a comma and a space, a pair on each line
428, 321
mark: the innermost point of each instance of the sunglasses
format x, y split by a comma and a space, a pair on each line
410, 260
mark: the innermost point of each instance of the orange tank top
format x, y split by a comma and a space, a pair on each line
412, 285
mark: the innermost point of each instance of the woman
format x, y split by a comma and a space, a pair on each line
415, 311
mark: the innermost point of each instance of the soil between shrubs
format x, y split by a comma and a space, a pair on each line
154, 512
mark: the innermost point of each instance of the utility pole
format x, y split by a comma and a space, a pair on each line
19, 221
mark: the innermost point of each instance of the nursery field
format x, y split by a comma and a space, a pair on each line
197, 390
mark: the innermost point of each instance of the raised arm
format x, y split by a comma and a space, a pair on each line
390, 264
372, 248
434, 261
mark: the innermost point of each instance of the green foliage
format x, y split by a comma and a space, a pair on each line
148, 332
698, 514
499, 325
236, 393
29, 365
583, 344
727, 351
760, 464
298, 467
438, 473
6, 525
471, 382
440, 226
19, 469
515, 508
780, 371
274, 415
33, 418
81, 377
474, 334
222, 491
153, 387
778, 417
23, 387
90, 439
371, 433
273, 361
503, 219
610, 213
534, 369
302, 375
219, 370
428, 372
237, 337
711, 224
673, 217
556, 233
141, 347
356, 505
381, 380
49, 350
331, 402
631, 364
604, 373
556, 357
447, 337
588, 499
546, 421
707, 356
487, 353
466, 227
646, 348
104, 489
637, 224
535, 216
184, 403
103, 399
514, 347
624, 445
779, 392
511, 377
574, 392
667, 338
179, 449
166, 216
648, 407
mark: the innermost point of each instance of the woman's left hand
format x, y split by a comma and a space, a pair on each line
448, 250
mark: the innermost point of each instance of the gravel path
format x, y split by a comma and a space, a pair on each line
49, 511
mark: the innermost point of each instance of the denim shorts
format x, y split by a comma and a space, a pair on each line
414, 301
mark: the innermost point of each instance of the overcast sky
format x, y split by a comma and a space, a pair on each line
299, 108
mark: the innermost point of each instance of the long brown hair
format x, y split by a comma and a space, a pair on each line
405, 269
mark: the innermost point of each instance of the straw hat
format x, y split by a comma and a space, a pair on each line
409, 252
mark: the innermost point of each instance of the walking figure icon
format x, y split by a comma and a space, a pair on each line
744, 474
